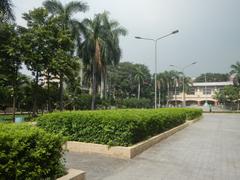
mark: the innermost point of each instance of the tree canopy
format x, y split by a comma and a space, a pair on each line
212, 77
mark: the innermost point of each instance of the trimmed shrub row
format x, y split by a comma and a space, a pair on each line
192, 113
28, 152
114, 127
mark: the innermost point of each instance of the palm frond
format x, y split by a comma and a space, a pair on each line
53, 6
75, 7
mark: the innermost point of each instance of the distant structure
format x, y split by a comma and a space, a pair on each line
200, 93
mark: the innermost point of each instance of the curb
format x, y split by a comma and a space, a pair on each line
74, 174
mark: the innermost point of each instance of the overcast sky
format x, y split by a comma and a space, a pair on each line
209, 31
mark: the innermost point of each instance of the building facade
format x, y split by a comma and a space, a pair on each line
199, 94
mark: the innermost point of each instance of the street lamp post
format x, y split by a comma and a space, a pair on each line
183, 90
155, 74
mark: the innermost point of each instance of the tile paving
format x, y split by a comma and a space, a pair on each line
207, 150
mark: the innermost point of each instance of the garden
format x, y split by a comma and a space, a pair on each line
38, 150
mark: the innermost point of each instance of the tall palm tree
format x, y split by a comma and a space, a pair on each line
160, 85
167, 81
113, 51
65, 13
100, 47
236, 70
6, 12
139, 76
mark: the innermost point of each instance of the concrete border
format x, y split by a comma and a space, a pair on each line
121, 151
74, 174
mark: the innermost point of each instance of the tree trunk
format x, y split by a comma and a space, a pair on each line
61, 92
35, 90
159, 100
14, 103
93, 85
14, 94
105, 86
175, 94
238, 106
96, 60
102, 86
139, 89
168, 94
48, 93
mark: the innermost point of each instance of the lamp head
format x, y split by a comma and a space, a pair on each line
137, 37
176, 31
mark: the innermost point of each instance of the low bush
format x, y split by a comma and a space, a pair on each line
28, 152
113, 127
192, 113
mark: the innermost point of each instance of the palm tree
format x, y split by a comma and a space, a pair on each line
113, 51
92, 48
236, 70
100, 47
65, 13
167, 81
139, 76
6, 12
160, 85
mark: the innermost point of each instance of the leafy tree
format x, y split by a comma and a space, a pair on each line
10, 60
65, 13
6, 12
73, 88
212, 77
37, 46
236, 70
230, 94
5, 97
122, 81
48, 48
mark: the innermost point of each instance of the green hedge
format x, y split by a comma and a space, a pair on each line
192, 113
113, 127
28, 152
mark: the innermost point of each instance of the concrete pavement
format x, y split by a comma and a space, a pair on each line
206, 150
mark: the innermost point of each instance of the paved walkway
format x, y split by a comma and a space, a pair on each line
206, 150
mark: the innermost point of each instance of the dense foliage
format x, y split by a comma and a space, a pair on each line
134, 103
6, 12
192, 113
229, 96
115, 127
212, 77
29, 153
128, 80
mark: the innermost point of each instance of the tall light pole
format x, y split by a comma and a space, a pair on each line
183, 90
155, 74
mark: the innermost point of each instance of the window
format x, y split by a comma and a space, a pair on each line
207, 90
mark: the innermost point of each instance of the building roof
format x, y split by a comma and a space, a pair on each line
213, 83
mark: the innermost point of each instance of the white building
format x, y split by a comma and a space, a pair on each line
200, 93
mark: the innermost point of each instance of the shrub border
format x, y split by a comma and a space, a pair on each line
121, 151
